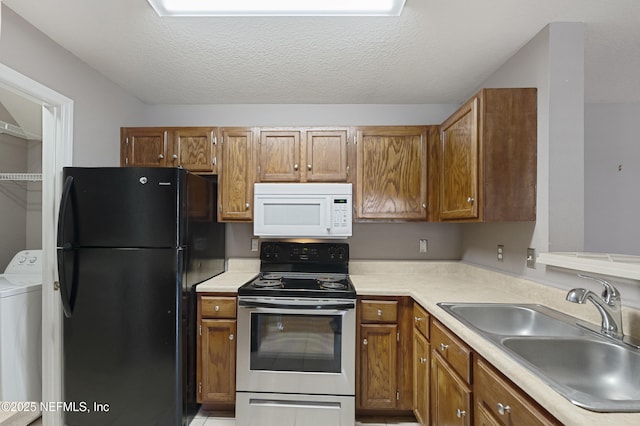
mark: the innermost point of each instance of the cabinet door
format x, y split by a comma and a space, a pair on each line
392, 173
421, 365
194, 149
378, 373
327, 156
218, 357
279, 156
143, 147
235, 190
450, 396
459, 197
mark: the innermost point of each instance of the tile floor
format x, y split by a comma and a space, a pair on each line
214, 419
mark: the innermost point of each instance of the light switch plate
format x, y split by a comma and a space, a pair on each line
254, 244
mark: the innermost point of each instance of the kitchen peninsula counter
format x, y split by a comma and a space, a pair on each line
431, 282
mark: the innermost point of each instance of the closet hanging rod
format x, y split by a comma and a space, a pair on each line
21, 177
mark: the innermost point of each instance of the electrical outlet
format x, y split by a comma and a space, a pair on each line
423, 246
500, 252
531, 258
254, 244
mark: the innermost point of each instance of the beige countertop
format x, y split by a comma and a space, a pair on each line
432, 282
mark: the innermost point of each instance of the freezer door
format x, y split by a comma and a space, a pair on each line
123, 353
121, 207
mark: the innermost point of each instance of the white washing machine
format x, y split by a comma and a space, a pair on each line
21, 328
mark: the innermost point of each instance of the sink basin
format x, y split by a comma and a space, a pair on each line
513, 319
592, 371
595, 374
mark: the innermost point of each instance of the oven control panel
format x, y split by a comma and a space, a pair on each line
286, 252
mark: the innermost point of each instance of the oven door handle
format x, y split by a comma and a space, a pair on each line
343, 306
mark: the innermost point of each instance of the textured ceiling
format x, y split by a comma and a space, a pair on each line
438, 51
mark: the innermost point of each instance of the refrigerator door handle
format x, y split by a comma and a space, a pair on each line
62, 214
67, 292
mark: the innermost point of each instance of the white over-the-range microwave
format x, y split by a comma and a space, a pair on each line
302, 210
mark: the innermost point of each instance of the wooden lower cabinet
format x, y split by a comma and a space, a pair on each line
421, 364
451, 378
499, 402
378, 358
216, 350
451, 397
384, 384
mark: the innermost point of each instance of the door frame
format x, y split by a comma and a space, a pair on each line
57, 152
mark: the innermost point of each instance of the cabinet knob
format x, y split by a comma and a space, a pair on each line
379, 312
216, 308
246, 206
365, 342
503, 409
417, 319
460, 413
231, 337
160, 157
424, 205
470, 200
422, 360
295, 167
309, 167
174, 156
443, 347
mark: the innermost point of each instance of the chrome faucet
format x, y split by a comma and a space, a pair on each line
608, 305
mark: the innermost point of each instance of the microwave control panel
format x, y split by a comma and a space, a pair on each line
340, 213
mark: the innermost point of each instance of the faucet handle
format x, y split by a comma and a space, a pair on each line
610, 294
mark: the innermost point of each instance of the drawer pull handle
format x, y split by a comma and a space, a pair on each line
503, 409
443, 347
460, 413
365, 342
231, 337
216, 308
379, 312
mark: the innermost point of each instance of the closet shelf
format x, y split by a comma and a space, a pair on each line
21, 177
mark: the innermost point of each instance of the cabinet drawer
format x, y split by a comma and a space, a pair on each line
379, 311
421, 320
218, 307
504, 401
452, 349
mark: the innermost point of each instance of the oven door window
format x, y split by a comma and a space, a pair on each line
291, 342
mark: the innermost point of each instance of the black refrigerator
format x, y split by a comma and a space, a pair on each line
132, 245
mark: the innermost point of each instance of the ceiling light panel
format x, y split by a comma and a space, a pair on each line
277, 7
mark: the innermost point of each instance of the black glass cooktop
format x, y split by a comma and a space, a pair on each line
302, 270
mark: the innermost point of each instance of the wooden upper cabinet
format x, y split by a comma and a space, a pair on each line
459, 191
194, 149
392, 173
279, 156
143, 147
327, 156
190, 147
302, 155
488, 158
236, 177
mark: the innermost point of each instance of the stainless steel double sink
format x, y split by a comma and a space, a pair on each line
590, 370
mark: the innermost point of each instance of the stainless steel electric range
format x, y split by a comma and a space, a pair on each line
296, 338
